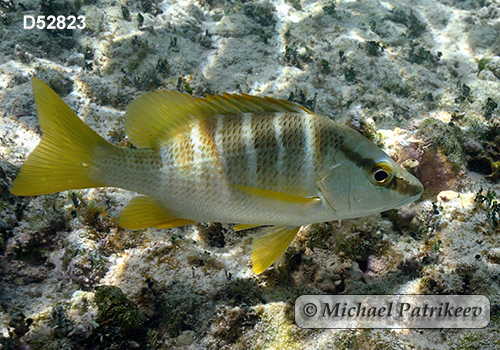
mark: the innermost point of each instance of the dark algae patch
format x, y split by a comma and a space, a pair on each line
179, 307
120, 323
489, 202
116, 309
444, 138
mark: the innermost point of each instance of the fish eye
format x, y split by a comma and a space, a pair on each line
381, 174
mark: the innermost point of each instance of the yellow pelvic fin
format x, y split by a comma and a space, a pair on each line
241, 227
269, 245
142, 212
151, 116
276, 195
64, 158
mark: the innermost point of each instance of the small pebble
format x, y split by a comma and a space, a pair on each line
446, 196
494, 256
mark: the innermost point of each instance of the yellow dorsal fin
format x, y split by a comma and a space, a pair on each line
276, 195
269, 245
241, 227
153, 114
143, 212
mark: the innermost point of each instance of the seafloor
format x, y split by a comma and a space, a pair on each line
420, 78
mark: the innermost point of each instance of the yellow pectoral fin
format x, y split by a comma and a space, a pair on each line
143, 212
276, 195
241, 227
269, 245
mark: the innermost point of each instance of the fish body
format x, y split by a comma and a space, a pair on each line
231, 158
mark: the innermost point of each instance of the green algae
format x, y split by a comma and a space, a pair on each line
491, 206
179, 307
58, 82
241, 291
275, 329
232, 322
445, 138
360, 241
115, 308
473, 340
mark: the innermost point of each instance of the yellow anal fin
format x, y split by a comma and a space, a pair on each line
143, 212
276, 195
269, 245
241, 227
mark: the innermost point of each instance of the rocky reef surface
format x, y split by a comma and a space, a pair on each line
419, 78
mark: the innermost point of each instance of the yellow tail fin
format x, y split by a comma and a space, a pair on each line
64, 159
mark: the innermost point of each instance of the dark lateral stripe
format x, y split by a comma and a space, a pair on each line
346, 147
266, 148
405, 187
294, 148
234, 149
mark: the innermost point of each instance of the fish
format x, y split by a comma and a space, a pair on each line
229, 158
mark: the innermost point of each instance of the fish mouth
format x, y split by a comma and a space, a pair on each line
410, 187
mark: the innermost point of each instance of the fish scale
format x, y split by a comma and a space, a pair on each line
252, 157
242, 151
227, 158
